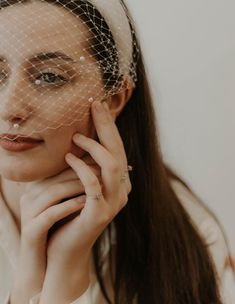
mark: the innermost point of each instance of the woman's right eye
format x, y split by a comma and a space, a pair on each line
47, 78
51, 78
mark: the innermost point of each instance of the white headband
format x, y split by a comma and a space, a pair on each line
115, 16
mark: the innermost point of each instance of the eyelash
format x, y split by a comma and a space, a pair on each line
57, 76
61, 79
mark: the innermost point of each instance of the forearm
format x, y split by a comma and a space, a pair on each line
65, 283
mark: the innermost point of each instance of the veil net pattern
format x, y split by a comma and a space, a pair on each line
56, 58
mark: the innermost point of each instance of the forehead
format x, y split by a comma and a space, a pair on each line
39, 26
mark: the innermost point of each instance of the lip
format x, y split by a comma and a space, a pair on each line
18, 142
19, 138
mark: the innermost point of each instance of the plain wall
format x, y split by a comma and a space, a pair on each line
189, 49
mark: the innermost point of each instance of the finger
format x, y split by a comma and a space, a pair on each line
67, 175
55, 213
107, 131
110, 168
109, 136
52, 196
88, 178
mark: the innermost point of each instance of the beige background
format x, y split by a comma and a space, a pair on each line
189, 48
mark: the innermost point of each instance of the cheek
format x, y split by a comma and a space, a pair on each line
56, 109
64, 114
69, 104
85, 127
60, 142
49, 159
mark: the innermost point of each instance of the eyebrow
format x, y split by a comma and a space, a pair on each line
51, 55
46, 56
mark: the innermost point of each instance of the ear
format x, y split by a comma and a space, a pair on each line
118, 101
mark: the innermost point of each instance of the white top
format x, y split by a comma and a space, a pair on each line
208, 227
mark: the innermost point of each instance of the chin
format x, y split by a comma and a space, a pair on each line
22, 175
26, 172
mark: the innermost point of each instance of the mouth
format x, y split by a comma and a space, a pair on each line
19, 138
18, 142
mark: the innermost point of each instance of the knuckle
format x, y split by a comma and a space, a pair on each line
114, 166
92, 182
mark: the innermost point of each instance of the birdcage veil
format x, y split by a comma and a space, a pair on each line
59, 56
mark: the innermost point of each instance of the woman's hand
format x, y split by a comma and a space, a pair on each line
69, 247
39, 212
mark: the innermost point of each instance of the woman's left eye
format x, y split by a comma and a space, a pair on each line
51, 78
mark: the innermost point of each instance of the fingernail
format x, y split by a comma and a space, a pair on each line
77, 136
69, 156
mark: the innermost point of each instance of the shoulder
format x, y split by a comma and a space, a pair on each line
206, 223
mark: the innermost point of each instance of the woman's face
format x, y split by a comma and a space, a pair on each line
54, 107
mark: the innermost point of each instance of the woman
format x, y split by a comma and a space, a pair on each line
76, 227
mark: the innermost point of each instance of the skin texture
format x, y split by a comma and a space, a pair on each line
34, 182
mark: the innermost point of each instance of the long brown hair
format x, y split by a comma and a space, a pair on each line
159, 256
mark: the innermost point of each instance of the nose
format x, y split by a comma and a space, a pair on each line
15, 101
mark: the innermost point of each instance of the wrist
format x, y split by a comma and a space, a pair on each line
65, 283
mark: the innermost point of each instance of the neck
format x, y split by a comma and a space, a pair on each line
11, 193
